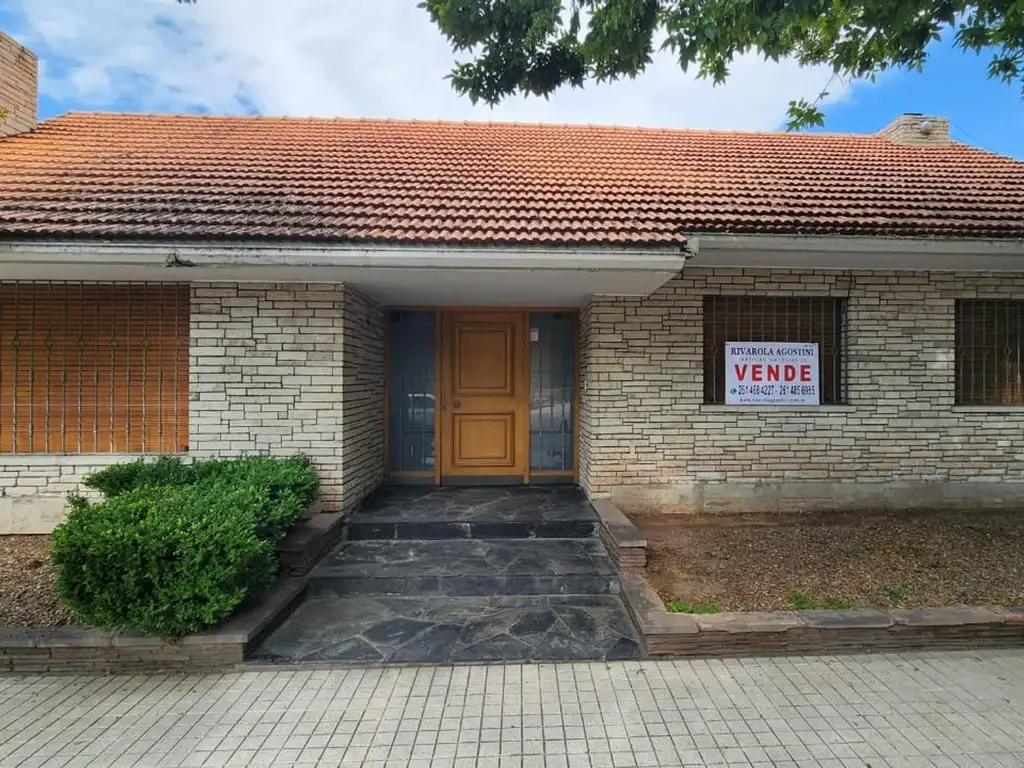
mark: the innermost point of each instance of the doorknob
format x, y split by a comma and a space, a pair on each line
456, 403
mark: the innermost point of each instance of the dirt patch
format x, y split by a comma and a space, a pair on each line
760, 563
27, 596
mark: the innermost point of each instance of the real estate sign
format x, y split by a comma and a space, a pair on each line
771, 373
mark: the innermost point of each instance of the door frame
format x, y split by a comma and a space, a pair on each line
435, 477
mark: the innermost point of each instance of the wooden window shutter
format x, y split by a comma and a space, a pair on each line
93, 367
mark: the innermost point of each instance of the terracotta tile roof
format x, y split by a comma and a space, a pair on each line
170, 176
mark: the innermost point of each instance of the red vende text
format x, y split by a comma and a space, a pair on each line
759, 372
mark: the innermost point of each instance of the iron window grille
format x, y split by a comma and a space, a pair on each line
989, 336
807, 319
93, 367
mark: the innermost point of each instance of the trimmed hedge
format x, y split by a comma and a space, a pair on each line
291, 483
175, 548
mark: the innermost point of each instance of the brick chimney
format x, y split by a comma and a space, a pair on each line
19, 87
917, 130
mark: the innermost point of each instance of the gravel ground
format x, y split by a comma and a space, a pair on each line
756, 563
27, 581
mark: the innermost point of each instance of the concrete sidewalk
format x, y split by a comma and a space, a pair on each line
926, 709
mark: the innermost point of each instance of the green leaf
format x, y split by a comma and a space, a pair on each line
534, 47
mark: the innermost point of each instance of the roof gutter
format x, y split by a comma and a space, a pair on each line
857, 253
841, 244
227, 256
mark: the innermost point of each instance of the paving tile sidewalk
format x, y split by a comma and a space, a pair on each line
922, 709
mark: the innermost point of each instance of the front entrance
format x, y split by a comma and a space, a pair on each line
484, 395
479, 397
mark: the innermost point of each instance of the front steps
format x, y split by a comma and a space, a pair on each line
461, 567
475, 513
460, 575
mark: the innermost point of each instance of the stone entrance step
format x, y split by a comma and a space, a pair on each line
466, 567
474, 513
364, 629
431, 575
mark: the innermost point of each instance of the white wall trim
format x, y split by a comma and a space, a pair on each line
839, 244
857, 253
183, 255
75, 459
797, 251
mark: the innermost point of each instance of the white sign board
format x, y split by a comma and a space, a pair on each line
771, 373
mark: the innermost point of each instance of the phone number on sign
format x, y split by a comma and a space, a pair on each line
775, 390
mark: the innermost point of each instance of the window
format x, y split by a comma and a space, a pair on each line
411, 382
819, 320
552, 391
93, 367
989, 336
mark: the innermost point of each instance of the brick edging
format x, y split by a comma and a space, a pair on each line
78, 649
626, 547
666, 634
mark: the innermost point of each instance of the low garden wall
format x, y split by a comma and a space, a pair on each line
665, 634
197, 560
76, 649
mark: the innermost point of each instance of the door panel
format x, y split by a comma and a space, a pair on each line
485, 394
484, 359
483, 440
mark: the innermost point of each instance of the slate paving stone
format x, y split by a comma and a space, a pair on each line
520, 557
462, 513
462, 505
533, 622
447, 575
463, 567
407, 629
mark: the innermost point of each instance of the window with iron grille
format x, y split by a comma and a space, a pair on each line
93, 367
989, 338
808, 319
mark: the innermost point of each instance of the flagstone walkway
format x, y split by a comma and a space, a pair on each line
921, 709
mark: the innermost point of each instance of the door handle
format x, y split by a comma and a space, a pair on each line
456, 403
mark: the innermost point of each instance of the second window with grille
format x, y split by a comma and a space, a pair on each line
808, 319
990, 352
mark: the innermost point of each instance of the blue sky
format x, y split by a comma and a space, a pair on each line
384, 59
954, 84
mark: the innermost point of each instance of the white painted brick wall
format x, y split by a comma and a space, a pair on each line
648, 439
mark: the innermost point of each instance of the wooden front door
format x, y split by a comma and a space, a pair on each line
484, 395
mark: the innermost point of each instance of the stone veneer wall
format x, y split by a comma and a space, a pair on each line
274, 369
647, 440
19, 77
279, 369
33, 487
362, 407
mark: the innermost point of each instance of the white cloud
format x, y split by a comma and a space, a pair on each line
368, 58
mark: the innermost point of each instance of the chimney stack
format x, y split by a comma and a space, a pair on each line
19, 87
917, 130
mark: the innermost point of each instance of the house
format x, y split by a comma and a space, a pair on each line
676, 319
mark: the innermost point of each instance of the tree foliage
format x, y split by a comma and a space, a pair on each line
537, 46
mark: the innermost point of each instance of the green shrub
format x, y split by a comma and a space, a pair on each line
291, 485
118, 478
164, 560
177, 547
